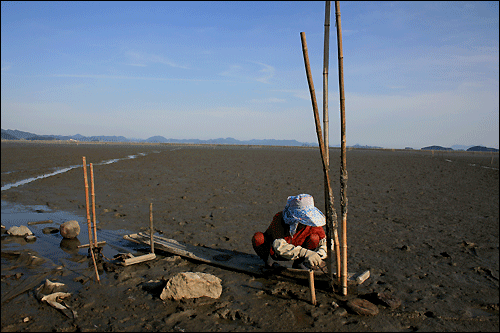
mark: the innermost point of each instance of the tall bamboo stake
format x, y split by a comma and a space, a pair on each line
93, 202
331, 215
151, 227
343, 169
326, 56
88, 217
326, 129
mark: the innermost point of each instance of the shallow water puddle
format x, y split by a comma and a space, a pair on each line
53, 247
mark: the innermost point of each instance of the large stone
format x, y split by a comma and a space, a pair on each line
362, 307
19, 231
192, 285
70, 229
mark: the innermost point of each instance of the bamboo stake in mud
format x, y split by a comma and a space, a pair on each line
151, 227
343, 169
326, 126
88, 217
93, 202
326, 56
331, 215
311, 287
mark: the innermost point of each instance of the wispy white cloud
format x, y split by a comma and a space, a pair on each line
247, 73
297, 93
269, 100
6, 66
136, 65
268, 71
124, 77
153, 58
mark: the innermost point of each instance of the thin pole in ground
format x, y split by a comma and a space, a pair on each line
93, 203
88, 218
343, 168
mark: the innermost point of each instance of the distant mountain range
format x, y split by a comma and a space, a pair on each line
20, 135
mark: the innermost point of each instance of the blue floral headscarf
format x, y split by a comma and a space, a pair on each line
301, 209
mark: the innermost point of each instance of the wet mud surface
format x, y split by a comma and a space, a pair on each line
425, 225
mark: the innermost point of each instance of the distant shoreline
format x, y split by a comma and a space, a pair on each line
76, 143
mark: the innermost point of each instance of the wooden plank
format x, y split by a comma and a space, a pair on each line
87, 245
139, 259
233, 260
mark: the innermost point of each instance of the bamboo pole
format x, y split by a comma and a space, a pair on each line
93, 202
343, 169
151, 227
331, 215
326, 129
326, 56
311, 287
88, 217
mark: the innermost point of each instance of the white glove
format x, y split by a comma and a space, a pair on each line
312, 258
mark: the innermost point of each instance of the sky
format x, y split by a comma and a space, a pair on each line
415, 73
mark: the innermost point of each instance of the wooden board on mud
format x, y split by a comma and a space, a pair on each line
233, 260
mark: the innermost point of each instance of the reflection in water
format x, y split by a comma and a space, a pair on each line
70, 245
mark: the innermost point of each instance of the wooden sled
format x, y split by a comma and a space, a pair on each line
233, 260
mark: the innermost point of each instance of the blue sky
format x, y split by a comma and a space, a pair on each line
415, 73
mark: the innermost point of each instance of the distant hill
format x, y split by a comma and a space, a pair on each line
481, 148
435, 148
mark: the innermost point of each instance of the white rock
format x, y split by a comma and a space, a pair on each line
19, 231
192, 285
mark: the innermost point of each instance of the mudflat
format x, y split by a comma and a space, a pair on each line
424, 223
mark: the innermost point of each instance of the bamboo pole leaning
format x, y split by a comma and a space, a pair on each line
331, 215
88, 218
343, 168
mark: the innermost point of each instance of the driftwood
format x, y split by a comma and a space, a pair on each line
136, 260
40, 222
87, 245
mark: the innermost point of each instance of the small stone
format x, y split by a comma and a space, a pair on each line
26, 319
341, 312
70, 229
389, 300
30, 238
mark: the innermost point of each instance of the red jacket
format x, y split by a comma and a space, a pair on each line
279, 229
